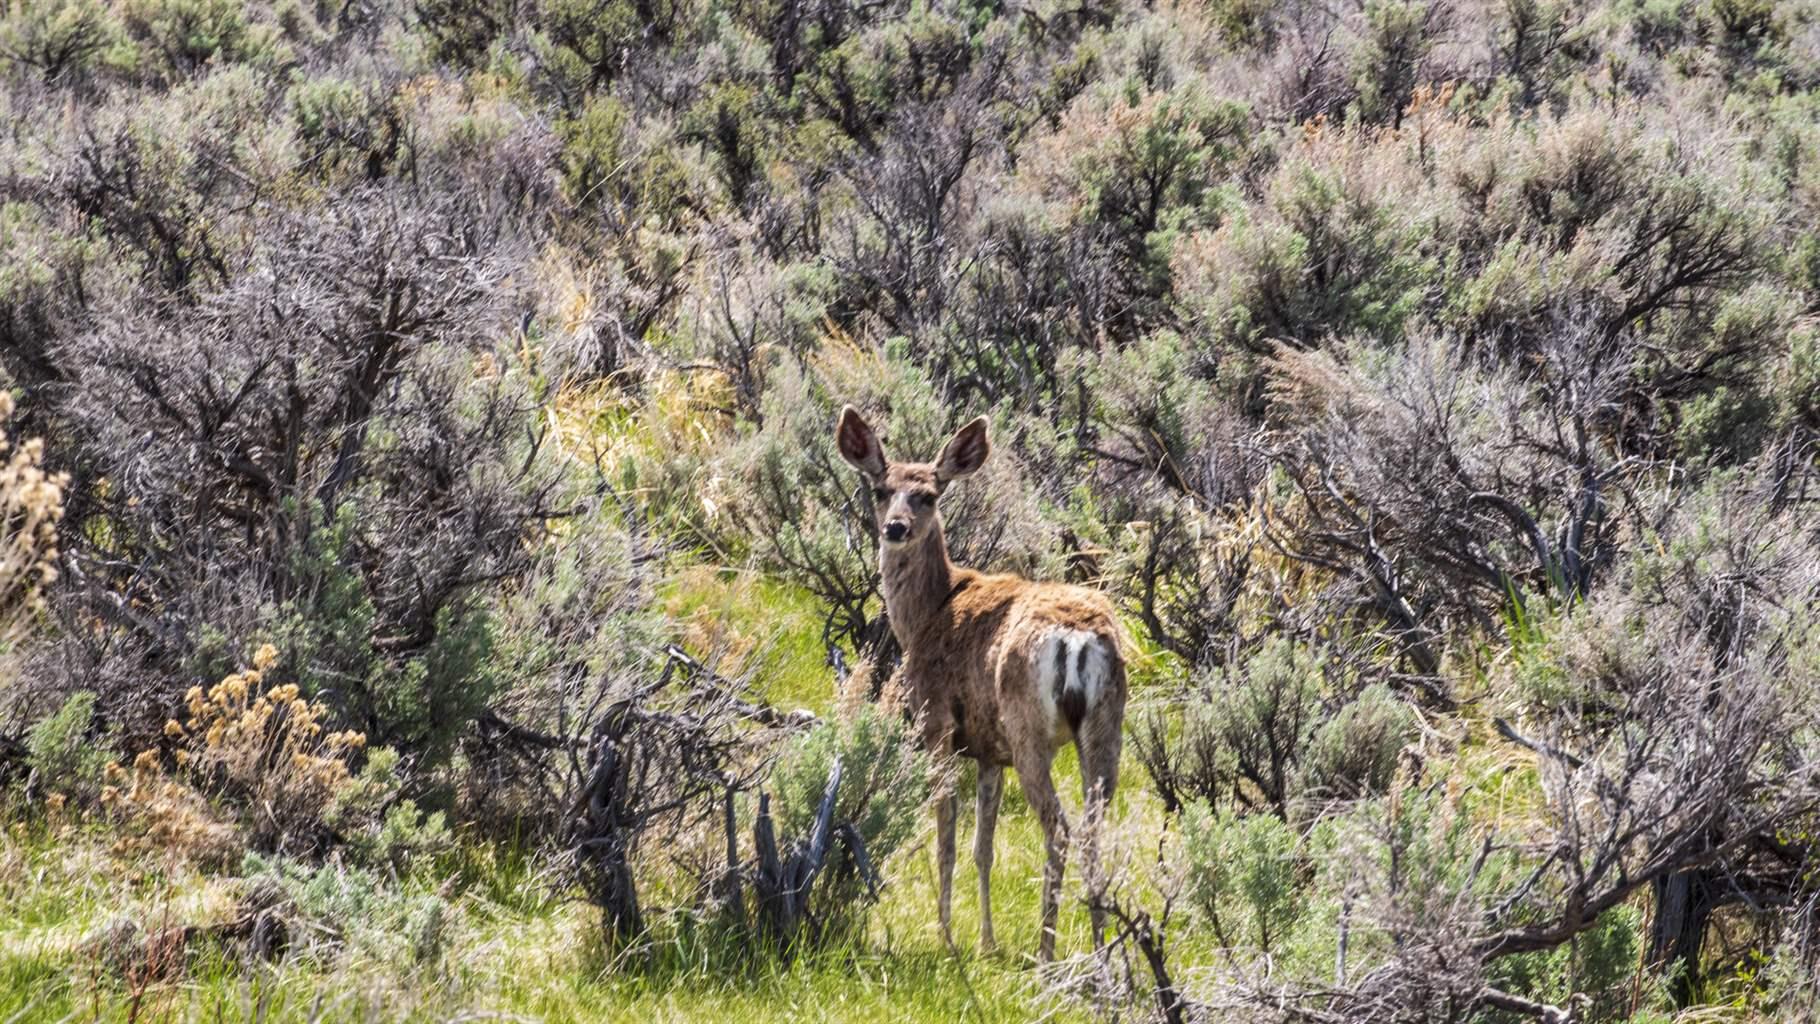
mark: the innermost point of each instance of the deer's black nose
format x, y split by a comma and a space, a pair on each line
895, 532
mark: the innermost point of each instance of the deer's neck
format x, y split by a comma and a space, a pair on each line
916, 580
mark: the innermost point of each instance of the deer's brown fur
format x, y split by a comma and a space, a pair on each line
1000, 669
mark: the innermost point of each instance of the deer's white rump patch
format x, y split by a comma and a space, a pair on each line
1072, 666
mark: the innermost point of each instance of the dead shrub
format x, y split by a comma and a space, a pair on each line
31, 505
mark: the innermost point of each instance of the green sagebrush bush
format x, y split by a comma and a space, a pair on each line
169, 40
1722, 587
1282, 732
627, 168
1600, 965
1394, 56
866, 75
381, 828
1150, 397
1417, 862
1244, 874
569, 642
39, 261
1354, 752
1127, 172
346, 127
161, 174
64, 755
61, 40
1265, 714
336, 911
464, 33
729, 122
884, 782
419, 701
1328, 251
584, 46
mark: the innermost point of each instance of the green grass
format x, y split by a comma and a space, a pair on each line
769, 628
513, 949
927, 987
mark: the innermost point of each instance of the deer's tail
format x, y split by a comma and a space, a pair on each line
1083, 674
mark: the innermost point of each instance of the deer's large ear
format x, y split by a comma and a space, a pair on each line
965, 454
858, 444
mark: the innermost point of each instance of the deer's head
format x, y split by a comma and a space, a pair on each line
905, 493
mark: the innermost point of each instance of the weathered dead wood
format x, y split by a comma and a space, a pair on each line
1511, 1003
659, 754
603, 828
784, 882
143, 956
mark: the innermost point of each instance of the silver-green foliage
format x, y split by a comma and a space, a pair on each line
884, 781
63, 755
1244, 874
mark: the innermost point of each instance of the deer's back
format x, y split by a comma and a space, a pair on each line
1004, 656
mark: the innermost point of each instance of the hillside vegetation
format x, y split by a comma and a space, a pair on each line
429, 588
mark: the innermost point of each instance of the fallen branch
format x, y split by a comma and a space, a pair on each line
1500, 1000
763, 714
784, 883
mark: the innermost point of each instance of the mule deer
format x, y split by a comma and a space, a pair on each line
1000, 669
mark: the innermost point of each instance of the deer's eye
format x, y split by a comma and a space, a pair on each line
923, 500
881, 494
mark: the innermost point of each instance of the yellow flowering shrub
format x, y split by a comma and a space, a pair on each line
31, 504
265, 753
161, 814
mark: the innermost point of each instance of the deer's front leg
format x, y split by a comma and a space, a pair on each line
938, 739
945, 807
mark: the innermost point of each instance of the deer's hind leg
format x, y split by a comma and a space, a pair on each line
1039, 790
1100, 744
946, 804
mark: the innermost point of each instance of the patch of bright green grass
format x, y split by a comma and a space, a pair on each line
533, 959
1148, 664
768, 627
513, 947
